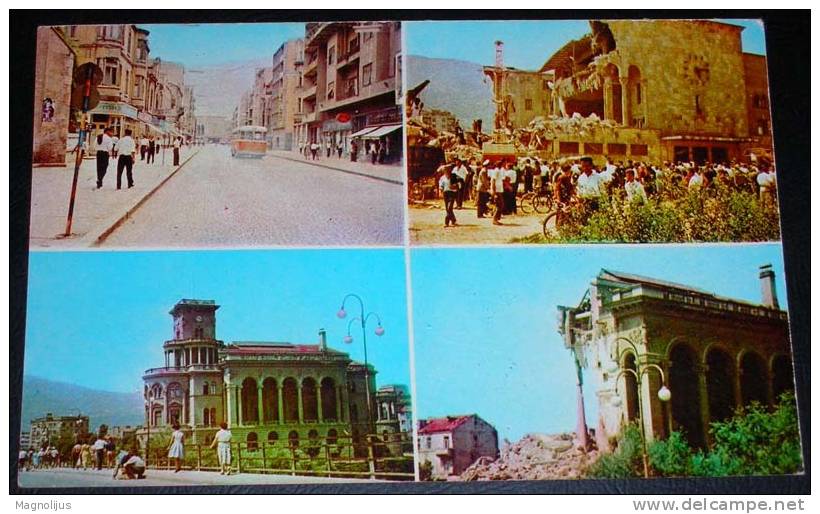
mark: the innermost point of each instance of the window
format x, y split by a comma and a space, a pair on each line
331, 55
638, 93
639, 149
293, 439
594, 148
213, 416
253, 441
568, 147
367, 74
110, 72
273, 437
206, 417
138, 87
353, 45
616, 148
528, 104
213, 387
127, 84
429, 442
447, 441
352, 86
367, 36
331, 90
205, 388
698, 107
72, 31
332, 436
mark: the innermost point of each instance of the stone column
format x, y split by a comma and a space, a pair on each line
259, 404
238, 392
299, 401
703, 393
279, 406
625, 103
339, 410
609, 110
319, 413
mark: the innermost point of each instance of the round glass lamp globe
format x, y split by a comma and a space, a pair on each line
379, 331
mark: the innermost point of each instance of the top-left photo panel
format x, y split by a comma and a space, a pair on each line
218, 136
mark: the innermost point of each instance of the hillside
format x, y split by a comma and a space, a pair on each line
41, 396
455, 86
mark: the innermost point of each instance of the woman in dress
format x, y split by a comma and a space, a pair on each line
85, 455
222, 441
175, 449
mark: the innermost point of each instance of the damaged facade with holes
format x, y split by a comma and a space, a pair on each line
276, 393
634, 336
656, 90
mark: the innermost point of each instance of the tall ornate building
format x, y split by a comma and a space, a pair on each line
284, 102
265, 391
715, 353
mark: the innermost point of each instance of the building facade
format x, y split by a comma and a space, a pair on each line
284, 102
453, 443
441, 121
265, 391
662, 90
715, 353
49, 429
54, 67
214, 129
351, 87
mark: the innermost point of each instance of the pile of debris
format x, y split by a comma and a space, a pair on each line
535, 457
463, 145
540, 132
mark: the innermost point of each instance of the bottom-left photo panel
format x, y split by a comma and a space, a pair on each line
170, 368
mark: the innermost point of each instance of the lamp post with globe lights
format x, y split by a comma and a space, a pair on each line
641, 370
362, 318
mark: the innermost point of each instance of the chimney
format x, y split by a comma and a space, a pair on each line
768, 293
322, 340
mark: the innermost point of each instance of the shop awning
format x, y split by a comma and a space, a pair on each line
382, 131
364, 131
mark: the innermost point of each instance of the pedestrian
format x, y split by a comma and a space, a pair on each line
104, 149
22, 460
328, 147
177, 145
483, 186
131, 464
176, 449
374, 152
99, 450
498, 179
461, 172
152, 148
340, 148
75, 455
222, 440
448, 185
126, 149
110, 451
85, 455
635, 192
314, 150
354, 150
143, 147
589, 184
114, 140
510, 181
528, 176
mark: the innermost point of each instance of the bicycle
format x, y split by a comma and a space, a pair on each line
563, 213
539, 201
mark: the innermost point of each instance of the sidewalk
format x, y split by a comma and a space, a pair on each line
96, 212
393, 173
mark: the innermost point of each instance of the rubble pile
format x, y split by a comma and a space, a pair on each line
540, 132
534, 457
421, 134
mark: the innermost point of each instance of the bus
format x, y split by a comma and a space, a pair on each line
249, 141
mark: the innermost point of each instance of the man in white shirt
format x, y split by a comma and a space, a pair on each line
105, 146
634, 189
143, 147
177, 145
497, 176
449, 186
461, 172
127, 148
589, 183
768, 185
696, 181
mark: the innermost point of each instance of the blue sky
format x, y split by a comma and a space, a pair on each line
208, 44
527, 44
485, 321
100, 319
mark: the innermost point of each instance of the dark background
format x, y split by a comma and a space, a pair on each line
788, 51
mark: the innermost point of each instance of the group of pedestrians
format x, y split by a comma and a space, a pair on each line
43, 458
375, 151
500, 181
125, 150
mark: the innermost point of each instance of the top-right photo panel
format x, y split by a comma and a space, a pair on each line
589, 131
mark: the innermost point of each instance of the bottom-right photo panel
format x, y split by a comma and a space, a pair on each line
579, 362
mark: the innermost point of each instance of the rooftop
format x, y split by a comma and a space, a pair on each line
273, 347
447, 424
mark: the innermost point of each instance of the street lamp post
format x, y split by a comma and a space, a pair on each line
348, 339
641, 370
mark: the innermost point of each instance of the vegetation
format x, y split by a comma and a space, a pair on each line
676, 215
755, 441
426, 471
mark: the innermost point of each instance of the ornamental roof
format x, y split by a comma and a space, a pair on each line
275, 347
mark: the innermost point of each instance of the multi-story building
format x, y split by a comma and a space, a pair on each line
25, 440
674, 90
54, 67
440, 120
715, 353
213, 129
187, 118
284, 102
453, 443
265, 391
50, 429
351, 87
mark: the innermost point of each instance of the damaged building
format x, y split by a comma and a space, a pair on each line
658, 90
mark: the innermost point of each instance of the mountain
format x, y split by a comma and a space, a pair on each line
217, 89
455, 86
41, 396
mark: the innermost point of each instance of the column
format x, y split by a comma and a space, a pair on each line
339, 410
319, 402
237, 390
279, 407
259, 405
609, 111
299, 401
703, 393
625, 114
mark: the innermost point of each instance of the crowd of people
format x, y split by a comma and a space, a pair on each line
502, 180
124, 150
375, 151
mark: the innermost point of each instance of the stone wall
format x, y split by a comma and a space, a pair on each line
53, 76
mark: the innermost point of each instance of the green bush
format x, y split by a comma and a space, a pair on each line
625, 461
671, 457
426, 471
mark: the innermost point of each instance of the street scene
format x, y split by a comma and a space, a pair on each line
625, 131
630, 366
290, 135
322, 397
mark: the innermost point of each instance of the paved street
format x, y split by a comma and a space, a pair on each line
217, 201
427, 226
66, 477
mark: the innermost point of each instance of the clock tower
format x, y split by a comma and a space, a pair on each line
194, 319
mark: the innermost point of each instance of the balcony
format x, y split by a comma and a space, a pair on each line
308, 92
178, 370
